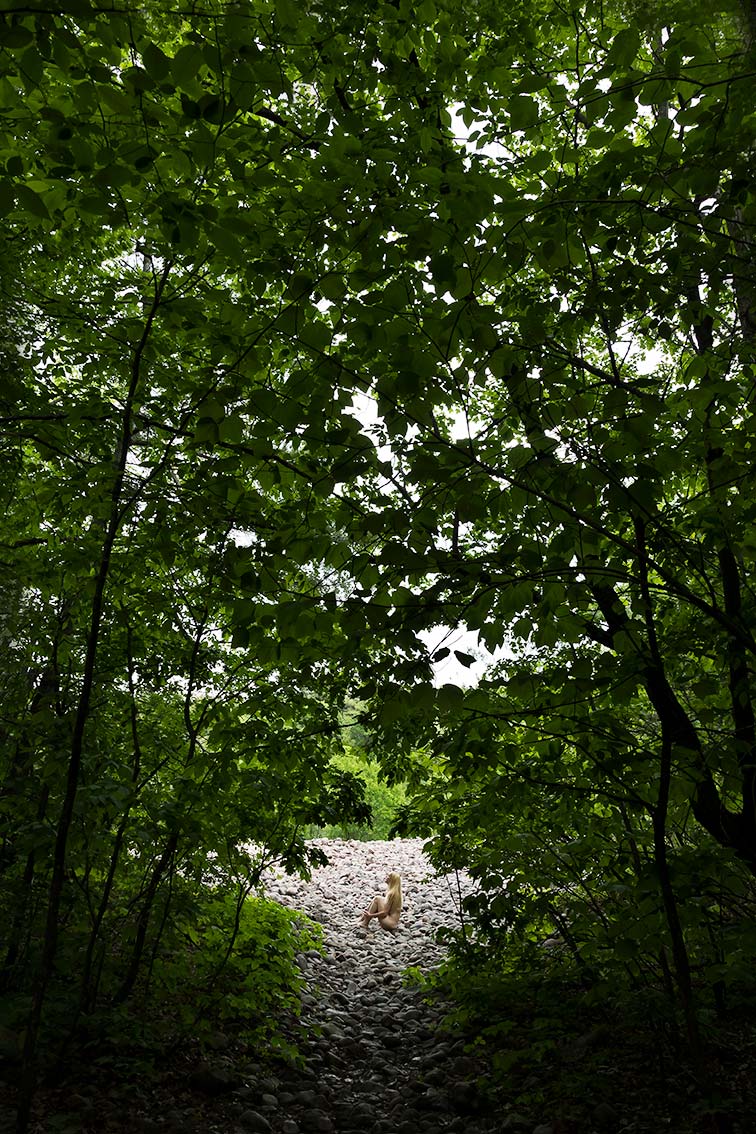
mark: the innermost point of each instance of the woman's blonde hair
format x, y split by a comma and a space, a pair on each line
394, 893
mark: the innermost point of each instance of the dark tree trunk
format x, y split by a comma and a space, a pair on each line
144, 919
55, 894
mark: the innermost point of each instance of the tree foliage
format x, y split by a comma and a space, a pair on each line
324, 327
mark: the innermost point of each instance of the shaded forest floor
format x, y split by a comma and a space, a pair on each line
604, 1079
381, 1053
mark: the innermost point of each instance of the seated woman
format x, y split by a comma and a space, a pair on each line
387, 909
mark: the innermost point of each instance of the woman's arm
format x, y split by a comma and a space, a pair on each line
382, 915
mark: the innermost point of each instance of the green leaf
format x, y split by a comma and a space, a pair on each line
624, 48
7, 196
30, 202
231, 429
17, 37
157, 64
449, 697
523, 112
185, 67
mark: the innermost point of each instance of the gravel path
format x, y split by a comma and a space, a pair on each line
377, 1061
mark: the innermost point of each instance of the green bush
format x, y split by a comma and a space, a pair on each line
246, 979
382, 798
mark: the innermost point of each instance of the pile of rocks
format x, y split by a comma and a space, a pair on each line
377, 1059
337, 893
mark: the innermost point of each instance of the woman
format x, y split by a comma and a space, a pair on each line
387, 909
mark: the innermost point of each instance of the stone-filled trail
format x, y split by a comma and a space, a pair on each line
376, 1060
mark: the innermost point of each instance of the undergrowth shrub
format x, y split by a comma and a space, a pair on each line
238, 970
552, 1045
226, 964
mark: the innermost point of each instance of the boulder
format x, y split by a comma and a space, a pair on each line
214, 1080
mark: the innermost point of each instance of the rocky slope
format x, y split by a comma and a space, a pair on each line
377, 1060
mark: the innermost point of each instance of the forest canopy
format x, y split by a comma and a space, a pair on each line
326, 325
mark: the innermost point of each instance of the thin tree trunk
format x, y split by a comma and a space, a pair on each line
86, 996
22, 907
244, 891
50, 946
659, 812
161, 927
680, 958
144, 919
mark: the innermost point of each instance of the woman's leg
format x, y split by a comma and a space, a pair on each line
375, 906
